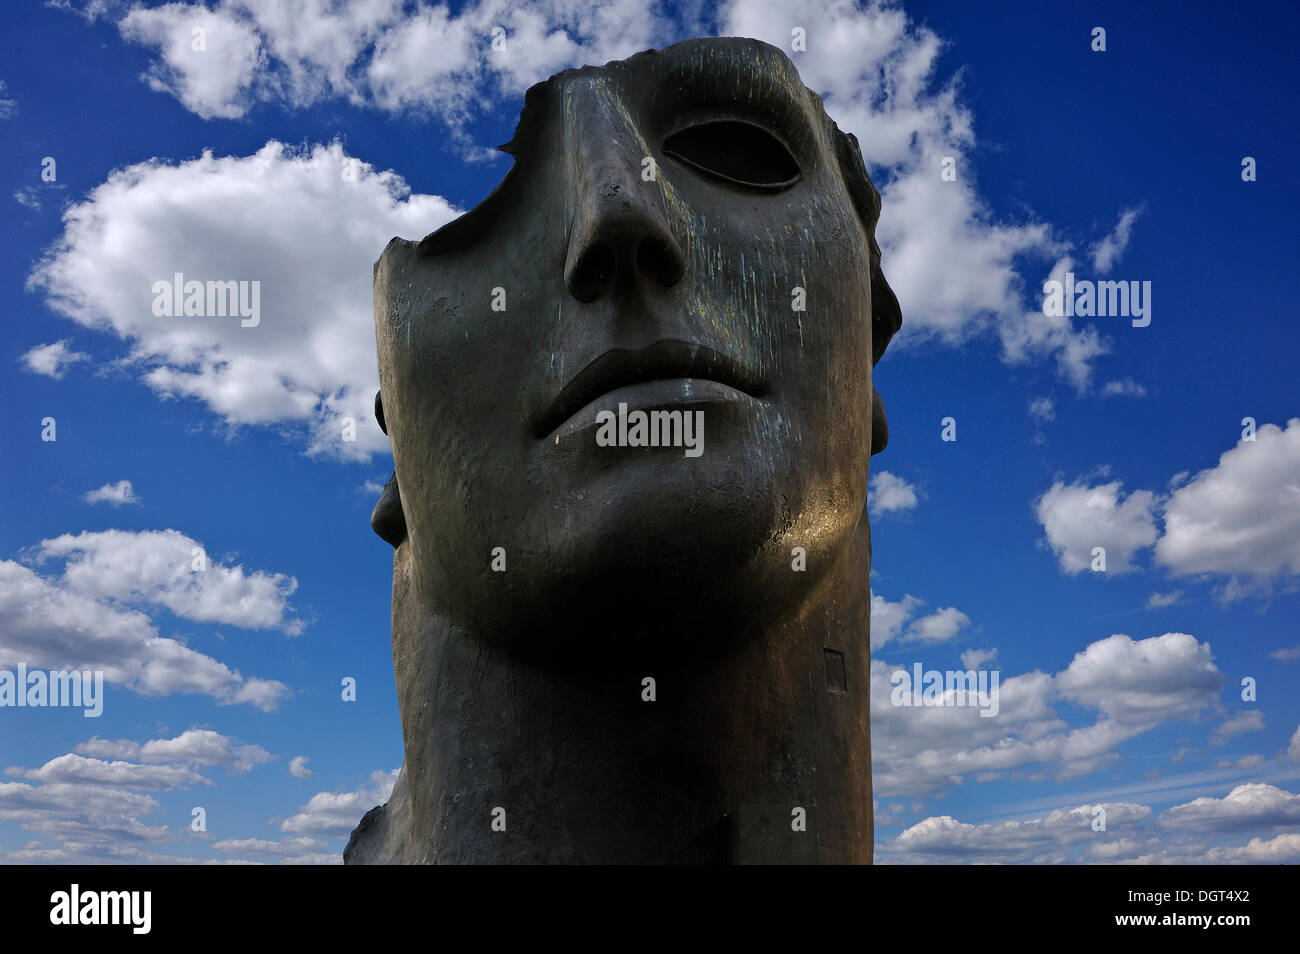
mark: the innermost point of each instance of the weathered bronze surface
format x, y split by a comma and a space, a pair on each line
626, 653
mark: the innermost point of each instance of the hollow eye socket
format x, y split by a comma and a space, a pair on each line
737, 152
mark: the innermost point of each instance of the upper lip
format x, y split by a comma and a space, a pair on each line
663, 359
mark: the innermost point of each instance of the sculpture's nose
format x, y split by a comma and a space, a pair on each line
620, 237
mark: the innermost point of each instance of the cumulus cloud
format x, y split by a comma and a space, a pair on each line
1143, 682
890, 493
1133, 834
887, 619
48, 625
91, 802
158, 567
939, 626
52, 360
116, 494
978, 658
1042, 409
1077, 517
944, 839
1251, 806
95, 821
76, 768
298, 767
193, 746
890, 621
396, 56
1240, 518
337, 813
1131, 686
307, 225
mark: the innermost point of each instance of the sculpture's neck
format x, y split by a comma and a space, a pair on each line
759, 755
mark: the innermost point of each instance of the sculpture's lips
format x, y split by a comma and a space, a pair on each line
661, 360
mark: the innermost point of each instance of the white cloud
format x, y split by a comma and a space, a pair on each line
1107, 252
1286, 654
1033, 334
978, 658
1143, 682
51, 626
1042, 409
1283, 849
29, 197
307, 225
193, 746
1161, 600
1183, 835
211, 81
298, 767
944, 839
1251, 806
1123, 387
1078, 518
52, 360
116, 494
1132, 686
1251, 720
890, 494
261, 846
1241, 517
337, 813
887, 618
92, 820
1293, 750
158, 567
381, 53
76, 768
938, 627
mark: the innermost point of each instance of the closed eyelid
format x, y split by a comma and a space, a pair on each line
738, 151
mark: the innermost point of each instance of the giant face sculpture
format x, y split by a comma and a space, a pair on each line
683, 234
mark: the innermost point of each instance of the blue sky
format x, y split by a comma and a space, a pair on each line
290, 151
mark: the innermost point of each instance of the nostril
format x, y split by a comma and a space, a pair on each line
657, 259
594, 273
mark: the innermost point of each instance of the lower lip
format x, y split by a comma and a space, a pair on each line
677, 393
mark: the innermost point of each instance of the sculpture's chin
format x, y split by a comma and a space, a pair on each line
643, 579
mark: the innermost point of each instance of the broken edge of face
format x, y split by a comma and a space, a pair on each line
388, 519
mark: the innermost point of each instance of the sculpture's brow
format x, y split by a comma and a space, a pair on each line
727, 74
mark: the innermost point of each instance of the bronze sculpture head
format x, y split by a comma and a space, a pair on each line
653, 649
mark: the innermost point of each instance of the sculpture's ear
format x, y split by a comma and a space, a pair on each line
388, 519
879, 426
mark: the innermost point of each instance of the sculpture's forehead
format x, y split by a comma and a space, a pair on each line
728, 70
750, 66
